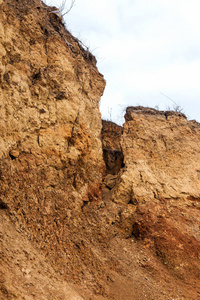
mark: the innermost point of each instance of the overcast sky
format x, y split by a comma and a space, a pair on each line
145, 49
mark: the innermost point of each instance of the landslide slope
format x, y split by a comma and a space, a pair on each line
83, 218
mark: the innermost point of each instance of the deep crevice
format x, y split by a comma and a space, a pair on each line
114, 161
112, 155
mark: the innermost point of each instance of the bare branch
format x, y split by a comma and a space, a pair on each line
176, 107
62, 7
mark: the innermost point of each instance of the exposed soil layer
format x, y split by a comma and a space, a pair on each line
88, 211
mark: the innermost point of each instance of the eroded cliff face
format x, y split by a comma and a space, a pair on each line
161, 151
82, 218
50, 89
160, 186
51, 160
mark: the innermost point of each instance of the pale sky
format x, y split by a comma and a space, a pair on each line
144, 49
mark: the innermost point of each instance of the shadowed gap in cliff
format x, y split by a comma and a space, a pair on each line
112, 153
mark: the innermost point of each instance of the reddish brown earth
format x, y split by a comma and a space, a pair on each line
88, 209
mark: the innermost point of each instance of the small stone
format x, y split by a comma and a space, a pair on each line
14, 153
